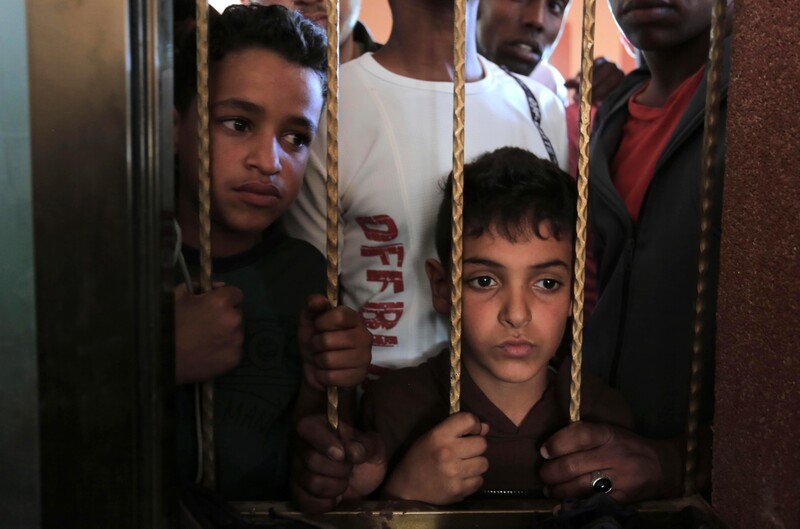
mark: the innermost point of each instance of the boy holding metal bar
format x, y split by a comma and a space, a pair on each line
519, 222
265, 327
645, 208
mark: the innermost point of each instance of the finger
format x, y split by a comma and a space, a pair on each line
572, 84
576, 437
340, 377
473, 467
337, 341
310, 504
315, 431
570, 467
315, 463
317, 303
581, 487
232, 295
470, 446
362, 447
337, 318
461, 424
319, 486
471, 485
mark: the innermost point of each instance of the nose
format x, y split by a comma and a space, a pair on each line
534, 14
516, 310
264, 155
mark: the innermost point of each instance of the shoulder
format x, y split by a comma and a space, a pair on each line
549, 76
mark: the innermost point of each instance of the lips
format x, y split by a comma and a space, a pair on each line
647, 10
525, 50
259, 194
516, 347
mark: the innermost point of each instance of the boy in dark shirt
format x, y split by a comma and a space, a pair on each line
266, 89
519, 221
644, 208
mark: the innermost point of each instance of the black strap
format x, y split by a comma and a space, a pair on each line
536, 115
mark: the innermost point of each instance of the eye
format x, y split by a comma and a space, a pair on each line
482, 282
298, 140
237, 124
548, 284
556, 7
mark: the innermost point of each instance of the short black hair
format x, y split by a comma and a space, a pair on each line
242, 27
512, 192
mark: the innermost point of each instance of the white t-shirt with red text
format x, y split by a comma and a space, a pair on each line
395, 149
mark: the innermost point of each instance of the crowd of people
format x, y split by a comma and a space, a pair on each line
272, 343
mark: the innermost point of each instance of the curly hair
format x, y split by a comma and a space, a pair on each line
512, 192
240, 27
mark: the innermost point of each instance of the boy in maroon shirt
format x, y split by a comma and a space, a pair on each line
519, 222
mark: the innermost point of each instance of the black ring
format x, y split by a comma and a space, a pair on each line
601, 483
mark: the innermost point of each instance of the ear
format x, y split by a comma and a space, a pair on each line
439, 280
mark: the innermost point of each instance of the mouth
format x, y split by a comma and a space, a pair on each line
517, 347
525, 50
259, 194
642, 7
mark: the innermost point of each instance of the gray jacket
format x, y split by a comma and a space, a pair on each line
639, 337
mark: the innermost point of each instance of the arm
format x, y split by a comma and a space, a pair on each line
640, 468
443, 466
336, 349
330, 468
208, 333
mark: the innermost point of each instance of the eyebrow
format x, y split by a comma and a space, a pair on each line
252, 108
538, 266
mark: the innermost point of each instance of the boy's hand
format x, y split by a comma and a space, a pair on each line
335, 345
329, 468
208, 333
445, 465
639, 468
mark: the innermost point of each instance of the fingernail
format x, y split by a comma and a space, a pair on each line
545, 454
336, 453
545, 492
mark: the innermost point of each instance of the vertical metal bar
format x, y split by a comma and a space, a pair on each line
710, 148
204, 191
587, 71
459, 114
332, 249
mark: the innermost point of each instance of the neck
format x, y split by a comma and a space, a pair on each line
349, 50
514, 399
421, 43
224, 242
670, 68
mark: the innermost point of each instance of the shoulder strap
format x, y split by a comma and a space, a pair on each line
536, 115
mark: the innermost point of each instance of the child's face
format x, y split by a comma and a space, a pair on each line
516, 301
263, 114
656, 26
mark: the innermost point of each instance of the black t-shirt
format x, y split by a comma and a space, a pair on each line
254, 402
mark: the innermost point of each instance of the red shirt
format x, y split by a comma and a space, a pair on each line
644, 137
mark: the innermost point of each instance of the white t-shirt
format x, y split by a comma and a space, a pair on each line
395, 149
548, 75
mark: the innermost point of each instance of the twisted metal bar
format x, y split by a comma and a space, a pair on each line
459, 94
710, 149
204, 180
333, 183
587, 71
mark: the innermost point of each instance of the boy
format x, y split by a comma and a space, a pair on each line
644, 210
354, 37
395, 141
266, 88
519, 219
